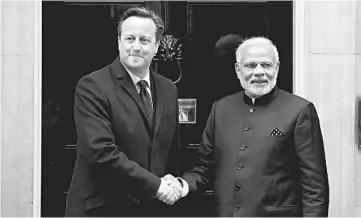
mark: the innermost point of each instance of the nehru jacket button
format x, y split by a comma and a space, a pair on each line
238, 187
237, 207
251, 110
243, 147
240, 166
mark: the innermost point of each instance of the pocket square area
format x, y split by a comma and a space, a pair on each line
276, 132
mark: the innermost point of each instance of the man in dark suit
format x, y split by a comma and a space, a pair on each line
262, 148
127, 126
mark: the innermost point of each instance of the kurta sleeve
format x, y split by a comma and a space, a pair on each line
202, 173
312, 163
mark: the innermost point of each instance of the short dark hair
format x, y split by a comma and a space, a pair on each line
144, 13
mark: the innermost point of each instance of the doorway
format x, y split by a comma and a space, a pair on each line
81, 38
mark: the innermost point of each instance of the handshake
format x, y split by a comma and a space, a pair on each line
171, 189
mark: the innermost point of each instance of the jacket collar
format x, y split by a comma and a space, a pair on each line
263, 100
122, 74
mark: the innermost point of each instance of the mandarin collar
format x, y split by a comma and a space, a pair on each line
263, 100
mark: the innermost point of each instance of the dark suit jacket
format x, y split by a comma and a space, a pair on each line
265, 159
119, 158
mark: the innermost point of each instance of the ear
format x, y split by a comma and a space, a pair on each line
277, 69
118, 42
238, 70
157, 46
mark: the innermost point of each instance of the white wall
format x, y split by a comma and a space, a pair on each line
358, 94
19, 106
328, 77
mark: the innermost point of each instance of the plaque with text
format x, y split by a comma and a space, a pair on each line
187, 110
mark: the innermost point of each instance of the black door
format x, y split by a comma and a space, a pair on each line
79, 38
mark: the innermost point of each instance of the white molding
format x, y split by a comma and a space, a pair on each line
298, 46
37, 109
1, 57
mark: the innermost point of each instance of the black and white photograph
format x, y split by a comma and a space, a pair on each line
180, 108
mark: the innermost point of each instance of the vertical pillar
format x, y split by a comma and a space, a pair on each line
358, 95
20, 107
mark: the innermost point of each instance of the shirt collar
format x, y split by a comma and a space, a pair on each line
263, 100
136, 79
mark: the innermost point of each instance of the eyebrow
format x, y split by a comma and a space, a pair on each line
261, 60
140, 36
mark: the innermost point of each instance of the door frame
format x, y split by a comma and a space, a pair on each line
298, 85
298, 46
37, 108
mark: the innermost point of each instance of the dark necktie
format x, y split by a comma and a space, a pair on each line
144, 95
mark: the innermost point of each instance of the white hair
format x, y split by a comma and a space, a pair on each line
254, 41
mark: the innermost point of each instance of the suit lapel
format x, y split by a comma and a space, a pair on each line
128, 85
158, 89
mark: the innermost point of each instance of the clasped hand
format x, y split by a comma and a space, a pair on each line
170, 190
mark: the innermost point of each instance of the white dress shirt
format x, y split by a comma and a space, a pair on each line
136, 79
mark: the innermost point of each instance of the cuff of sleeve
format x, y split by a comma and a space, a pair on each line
154, 184
185, 187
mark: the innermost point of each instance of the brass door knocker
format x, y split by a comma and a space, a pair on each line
170, 49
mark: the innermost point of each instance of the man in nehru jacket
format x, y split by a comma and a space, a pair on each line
262, 148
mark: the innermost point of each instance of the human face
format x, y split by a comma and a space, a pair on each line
137, 44
257, 69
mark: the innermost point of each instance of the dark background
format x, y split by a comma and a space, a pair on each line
79, 38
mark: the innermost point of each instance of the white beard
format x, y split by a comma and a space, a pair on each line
256, 92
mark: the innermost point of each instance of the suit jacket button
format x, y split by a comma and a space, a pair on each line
240, 166
247, 127
237, 207
238, 187
251, 110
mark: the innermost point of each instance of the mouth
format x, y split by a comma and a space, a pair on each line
135, 56
259, 82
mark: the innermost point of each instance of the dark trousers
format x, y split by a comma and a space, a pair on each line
154, 208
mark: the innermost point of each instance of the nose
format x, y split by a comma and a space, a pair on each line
259, 71
136, 45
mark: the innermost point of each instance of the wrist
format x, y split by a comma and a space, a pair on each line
185, 187
180, 181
